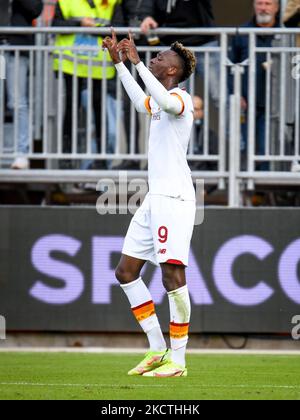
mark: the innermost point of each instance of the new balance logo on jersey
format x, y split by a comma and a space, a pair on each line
156, 117
162, 251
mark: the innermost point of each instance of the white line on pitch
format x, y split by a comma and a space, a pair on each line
97, 350
148, 385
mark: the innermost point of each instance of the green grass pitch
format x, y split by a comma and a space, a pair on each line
104, 377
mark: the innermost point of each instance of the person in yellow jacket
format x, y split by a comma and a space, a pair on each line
96, 64
292, 16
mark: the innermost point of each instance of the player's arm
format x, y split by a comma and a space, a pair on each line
171, 103
134, 91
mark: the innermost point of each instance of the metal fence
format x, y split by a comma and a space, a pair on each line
224, 153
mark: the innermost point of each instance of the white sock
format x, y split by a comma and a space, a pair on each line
180, 313
144, 311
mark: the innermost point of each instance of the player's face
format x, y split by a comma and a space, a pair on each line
161, 64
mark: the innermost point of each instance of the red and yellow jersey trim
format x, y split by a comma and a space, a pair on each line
181, 100
147, 104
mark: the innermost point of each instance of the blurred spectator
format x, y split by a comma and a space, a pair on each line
127, 13
48, 12
199, 139
266, 16
180, 14
23, 12
292, 16
187, 14
5, 13
89, 14
131, 13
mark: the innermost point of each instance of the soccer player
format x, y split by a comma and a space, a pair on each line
161, 230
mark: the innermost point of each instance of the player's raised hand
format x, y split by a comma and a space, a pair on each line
111, 43
128, 48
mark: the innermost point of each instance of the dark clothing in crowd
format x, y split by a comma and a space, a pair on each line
213, 149
182, 14
123, 14
4, 17
131, 12
240, 52
5, 12
23, 12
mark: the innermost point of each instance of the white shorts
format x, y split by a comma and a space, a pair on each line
161, 230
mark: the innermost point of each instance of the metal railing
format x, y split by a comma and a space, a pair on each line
103, 137
280, 116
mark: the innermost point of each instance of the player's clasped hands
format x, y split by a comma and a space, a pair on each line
122, 51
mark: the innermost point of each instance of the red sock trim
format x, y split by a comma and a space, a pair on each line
175, 262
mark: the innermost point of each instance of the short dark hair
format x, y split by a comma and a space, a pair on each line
188, 59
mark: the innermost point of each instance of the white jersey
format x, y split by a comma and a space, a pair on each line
162, 228
169, 173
